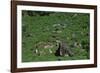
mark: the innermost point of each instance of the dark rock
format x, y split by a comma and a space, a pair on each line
63, 50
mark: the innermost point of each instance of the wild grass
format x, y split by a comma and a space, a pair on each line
40, 29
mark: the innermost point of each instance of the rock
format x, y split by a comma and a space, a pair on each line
50, 51
59, 31
48, 46
63, 49
55, 25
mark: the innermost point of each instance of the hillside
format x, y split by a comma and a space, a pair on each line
41, 31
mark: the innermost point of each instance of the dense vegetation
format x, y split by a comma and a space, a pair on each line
41, 30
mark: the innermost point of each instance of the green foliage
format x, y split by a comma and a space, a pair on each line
41, 29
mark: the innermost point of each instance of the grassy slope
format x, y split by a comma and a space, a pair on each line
40, 29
